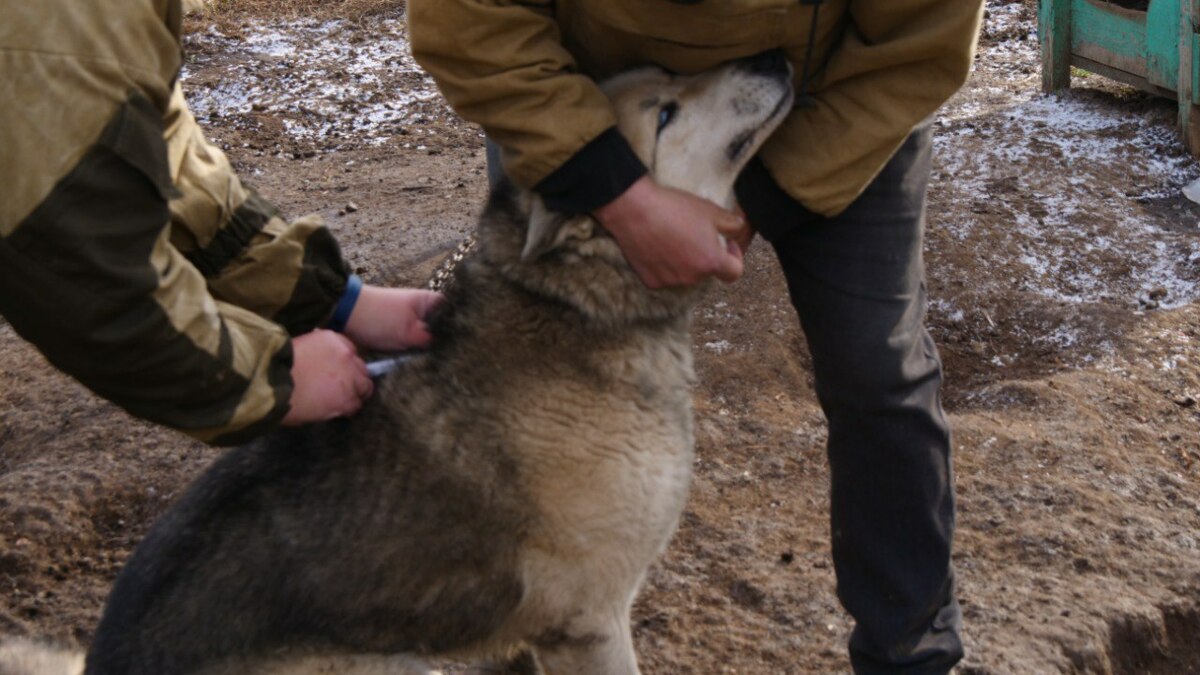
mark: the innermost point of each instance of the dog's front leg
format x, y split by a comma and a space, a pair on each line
604, 650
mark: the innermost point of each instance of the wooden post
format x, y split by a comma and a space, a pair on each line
1164, 26
1189, 113
1054, 33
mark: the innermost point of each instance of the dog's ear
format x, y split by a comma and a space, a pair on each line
550, 229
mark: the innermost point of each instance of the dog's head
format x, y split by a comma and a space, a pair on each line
694, 133
697, 133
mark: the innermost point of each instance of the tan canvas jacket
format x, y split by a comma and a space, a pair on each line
526, 71
130, 253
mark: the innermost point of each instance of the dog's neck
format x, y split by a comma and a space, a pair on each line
585, 272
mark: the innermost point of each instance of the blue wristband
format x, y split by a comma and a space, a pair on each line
345, 305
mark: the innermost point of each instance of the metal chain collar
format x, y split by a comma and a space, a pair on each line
445, 271
441, 276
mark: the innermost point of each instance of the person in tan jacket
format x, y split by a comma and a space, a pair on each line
838, 191
135, 260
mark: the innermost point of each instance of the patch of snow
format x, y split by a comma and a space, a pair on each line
719, 346
1062, 336
946, 310
313, 77
1079, 239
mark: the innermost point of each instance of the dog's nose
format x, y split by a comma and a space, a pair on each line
771, 62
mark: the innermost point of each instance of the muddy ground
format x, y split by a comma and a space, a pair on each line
1064, 272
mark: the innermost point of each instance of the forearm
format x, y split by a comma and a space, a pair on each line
149, 339
502, 65
290, 273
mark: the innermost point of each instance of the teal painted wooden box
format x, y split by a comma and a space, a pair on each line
1151, 45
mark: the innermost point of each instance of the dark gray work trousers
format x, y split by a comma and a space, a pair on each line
857, 281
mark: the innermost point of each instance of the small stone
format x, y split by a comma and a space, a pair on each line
351, 207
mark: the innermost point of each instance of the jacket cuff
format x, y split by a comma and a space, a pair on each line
345, 305
323, 278
600, 172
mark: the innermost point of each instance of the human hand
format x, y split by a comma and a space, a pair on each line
391, 319
328, 378
671, 237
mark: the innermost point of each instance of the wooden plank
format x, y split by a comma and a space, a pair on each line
1191, 131
1183, 46
1164, 23
1121, 76
1110, 34
1054, 33
1189, 67
1184, 37
1196, 61
1116, 60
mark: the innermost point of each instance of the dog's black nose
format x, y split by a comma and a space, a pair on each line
771, 62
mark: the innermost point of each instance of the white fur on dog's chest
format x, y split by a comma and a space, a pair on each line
608, 468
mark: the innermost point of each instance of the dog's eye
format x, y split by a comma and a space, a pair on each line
666, 114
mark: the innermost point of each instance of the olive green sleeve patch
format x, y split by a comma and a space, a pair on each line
321, 283
231, 241
79, 279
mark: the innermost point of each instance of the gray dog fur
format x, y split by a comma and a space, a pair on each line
506, 491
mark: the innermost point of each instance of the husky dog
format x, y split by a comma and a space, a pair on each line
505, 491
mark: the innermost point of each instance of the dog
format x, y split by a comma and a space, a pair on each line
502, 495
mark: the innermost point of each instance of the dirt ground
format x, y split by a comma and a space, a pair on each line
1064, 277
